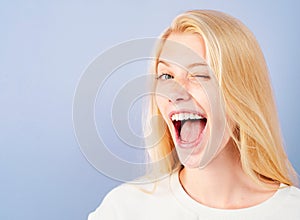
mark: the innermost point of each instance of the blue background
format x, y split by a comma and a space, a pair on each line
45, 47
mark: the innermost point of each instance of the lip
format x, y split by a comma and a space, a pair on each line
179, 142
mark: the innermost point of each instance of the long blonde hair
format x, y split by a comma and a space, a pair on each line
240, 68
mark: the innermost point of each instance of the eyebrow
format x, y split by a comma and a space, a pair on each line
188, 67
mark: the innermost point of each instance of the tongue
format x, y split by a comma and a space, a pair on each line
191, 130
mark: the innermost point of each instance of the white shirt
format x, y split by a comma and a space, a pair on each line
170, 201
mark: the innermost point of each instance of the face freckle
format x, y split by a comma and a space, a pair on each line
188, 97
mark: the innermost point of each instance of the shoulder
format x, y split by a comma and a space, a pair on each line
293, 195
290, 202
142, 190
134, 200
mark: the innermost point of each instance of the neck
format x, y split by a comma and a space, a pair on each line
221, 184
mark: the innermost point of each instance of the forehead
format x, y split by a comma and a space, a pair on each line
183, 49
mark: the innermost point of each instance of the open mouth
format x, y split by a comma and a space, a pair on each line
188, 126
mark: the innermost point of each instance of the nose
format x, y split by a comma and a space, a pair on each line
178, 93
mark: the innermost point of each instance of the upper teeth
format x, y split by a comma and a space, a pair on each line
185, 116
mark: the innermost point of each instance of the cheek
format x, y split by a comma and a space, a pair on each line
200, 96
162, 93
161, 103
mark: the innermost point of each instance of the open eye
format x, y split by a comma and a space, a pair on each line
165, 76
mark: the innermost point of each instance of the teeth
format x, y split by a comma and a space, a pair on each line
181, 117
185, 116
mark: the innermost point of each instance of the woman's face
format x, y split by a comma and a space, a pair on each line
188, 97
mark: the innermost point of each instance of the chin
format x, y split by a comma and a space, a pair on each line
191, 163
191, 157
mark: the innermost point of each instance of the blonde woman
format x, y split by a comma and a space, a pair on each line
213, 91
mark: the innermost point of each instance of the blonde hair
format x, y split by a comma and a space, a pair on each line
234, 55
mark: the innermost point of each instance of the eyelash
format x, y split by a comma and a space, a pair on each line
202, 76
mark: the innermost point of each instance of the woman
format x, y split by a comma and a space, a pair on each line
213, 91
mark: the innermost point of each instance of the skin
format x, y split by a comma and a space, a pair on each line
187, 84
212, 173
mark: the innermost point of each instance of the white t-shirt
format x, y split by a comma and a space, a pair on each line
170, 201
